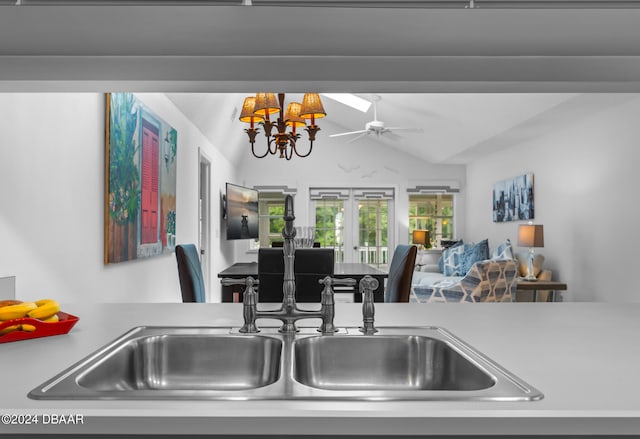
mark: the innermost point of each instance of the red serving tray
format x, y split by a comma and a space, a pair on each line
43, 329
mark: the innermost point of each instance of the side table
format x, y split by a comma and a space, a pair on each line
543, 285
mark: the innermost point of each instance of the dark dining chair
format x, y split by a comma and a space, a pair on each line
401, 274
190, 273
310, 265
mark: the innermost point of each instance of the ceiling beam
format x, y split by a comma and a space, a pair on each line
325, 74
234, 48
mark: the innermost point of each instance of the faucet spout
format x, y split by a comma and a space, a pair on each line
288, 208
289, 282
289, 217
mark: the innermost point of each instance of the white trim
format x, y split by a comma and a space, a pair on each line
374, 193
329, 193
435, 189
276, 188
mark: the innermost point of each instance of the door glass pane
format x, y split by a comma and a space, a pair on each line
330, 226
271, 223
373, 232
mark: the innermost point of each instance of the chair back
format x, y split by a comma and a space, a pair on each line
401, 273
190, 273
310, 265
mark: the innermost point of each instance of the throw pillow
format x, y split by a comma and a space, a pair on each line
503, 251
474, 253
445, 254
453, 260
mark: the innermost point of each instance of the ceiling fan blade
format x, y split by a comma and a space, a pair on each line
366, 133
347, 134
391, 135
408, 130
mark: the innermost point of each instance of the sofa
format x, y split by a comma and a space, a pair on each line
468, 273
486, 281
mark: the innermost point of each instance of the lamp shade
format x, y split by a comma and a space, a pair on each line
266, 103
248, 110
530, 235
421, 237
312, 106
292, 115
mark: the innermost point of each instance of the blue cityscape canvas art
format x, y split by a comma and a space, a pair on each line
513, 199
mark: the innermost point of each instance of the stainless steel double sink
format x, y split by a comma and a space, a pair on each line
214, 363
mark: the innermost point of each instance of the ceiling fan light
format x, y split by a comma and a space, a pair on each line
312, 107
292, 115
266, 103
248, 111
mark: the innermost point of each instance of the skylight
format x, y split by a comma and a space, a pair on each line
351, 100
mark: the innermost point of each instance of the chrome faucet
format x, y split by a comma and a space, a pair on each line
289, 313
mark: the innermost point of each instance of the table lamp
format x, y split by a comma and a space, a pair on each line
421, 237
530, 235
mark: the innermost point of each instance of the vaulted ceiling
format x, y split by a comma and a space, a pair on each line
458, 127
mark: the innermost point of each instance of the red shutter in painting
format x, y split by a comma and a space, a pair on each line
150, 183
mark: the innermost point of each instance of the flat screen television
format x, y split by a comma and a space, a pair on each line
242, 212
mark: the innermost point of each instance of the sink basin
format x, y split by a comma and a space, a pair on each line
174, 363
187, 362
218, 363
391, 362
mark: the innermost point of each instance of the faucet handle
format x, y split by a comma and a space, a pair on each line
249, 302
328, 303
248, 281
228, 281
339, 281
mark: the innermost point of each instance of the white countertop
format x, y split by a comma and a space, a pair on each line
584, 357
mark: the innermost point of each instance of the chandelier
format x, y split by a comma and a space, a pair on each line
258, 108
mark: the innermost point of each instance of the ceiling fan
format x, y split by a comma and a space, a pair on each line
377, 127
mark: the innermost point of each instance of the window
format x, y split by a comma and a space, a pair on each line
433, 212
270, 213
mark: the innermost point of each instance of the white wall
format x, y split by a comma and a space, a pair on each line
334, 162
586, 196
51, 198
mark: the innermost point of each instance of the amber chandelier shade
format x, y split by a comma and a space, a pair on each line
292, 115
312, 107
266, 103
248, 111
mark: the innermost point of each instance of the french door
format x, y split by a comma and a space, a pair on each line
356, 222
